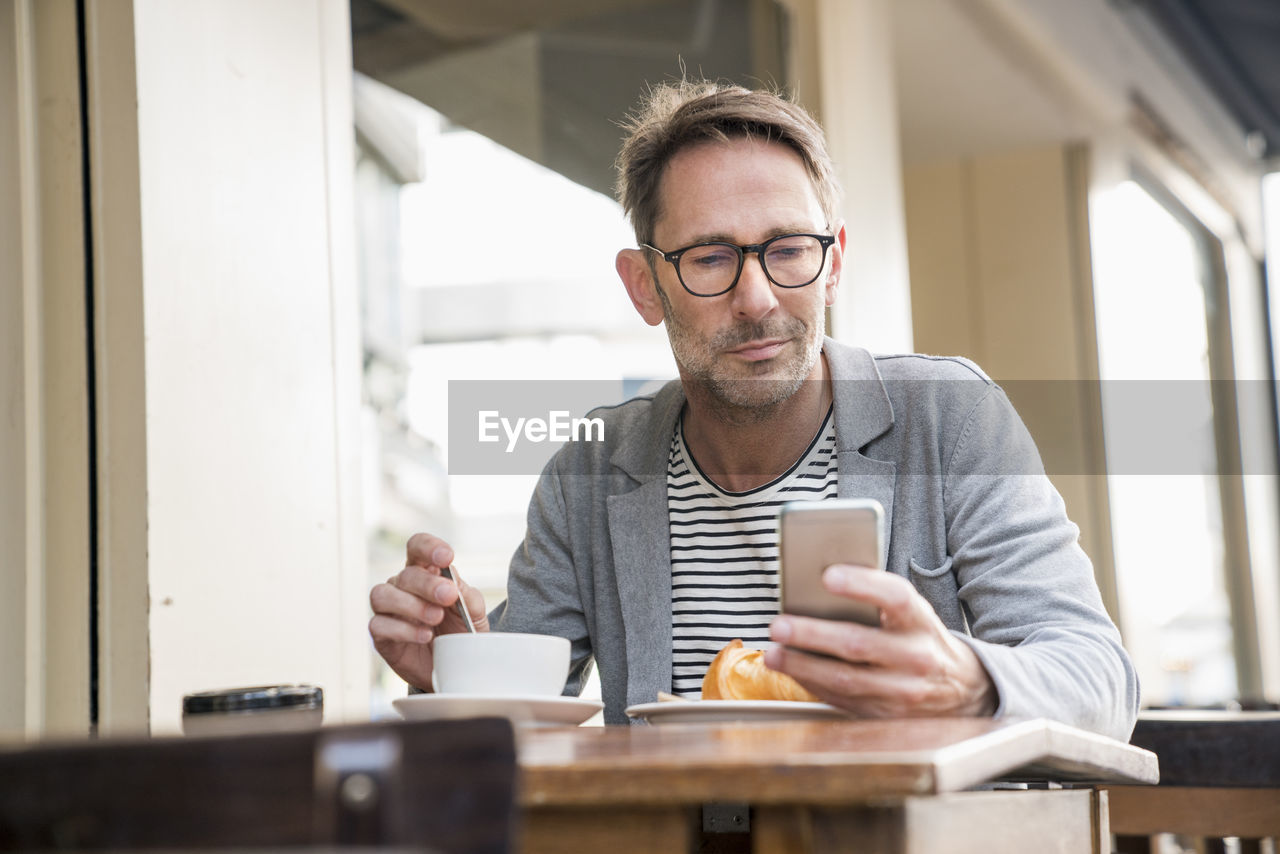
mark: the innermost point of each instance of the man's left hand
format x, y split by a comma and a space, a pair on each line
911, 666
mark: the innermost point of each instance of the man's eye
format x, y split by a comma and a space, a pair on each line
712, 259
785, 253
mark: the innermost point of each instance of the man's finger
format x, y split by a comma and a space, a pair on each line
897, 600
864, 689
426, 550
426, 584
850, 642
471, 597
394, 602
384, 630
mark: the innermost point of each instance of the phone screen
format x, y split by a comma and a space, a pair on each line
813, 535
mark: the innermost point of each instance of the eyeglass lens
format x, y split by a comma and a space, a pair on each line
790, 261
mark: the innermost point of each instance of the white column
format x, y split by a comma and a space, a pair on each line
228, 353
44, 445
859, 110
15, 541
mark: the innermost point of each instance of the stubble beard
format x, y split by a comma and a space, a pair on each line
743, 399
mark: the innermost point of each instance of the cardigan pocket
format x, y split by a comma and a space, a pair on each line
939, 588
917, 569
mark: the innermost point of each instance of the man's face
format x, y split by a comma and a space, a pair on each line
755, 345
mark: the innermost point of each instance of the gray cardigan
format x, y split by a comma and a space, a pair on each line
973, 523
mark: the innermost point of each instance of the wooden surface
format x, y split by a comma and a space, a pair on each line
888, 787
815, 762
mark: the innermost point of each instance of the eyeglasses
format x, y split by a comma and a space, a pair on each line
711, 269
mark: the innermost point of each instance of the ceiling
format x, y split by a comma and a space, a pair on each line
984, 101
962, 92
1234, 45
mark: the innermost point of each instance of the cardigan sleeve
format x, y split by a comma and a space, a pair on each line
542, 589
1035, 615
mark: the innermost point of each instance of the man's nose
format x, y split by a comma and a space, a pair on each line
753, 296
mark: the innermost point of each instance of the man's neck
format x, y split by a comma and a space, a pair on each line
741, 449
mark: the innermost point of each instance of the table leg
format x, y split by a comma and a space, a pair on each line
1132, 844
620, 830
1065, 822
810, 830
781, 830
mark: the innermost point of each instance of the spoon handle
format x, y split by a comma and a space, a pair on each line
447, 572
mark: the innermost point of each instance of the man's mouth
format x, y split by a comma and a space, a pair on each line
759, 350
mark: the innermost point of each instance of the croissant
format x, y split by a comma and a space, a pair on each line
737, 673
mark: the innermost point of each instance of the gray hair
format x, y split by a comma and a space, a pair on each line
674, 116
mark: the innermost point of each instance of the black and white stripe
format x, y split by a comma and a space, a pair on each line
724, 553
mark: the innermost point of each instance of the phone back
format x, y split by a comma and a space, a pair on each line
813, 535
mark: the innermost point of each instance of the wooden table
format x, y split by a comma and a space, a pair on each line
891, 786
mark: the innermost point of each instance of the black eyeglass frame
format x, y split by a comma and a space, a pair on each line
673, 258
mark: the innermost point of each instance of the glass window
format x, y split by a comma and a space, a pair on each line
487, 232
1153, 295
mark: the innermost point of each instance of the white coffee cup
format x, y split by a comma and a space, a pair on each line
501, 664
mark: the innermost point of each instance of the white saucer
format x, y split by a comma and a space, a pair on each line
720, 711
527, 711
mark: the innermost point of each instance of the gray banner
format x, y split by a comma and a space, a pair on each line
1153, 427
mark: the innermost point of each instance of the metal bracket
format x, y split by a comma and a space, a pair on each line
358, 791
726, 818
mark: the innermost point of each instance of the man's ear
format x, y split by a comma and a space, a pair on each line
831, 285
633, 268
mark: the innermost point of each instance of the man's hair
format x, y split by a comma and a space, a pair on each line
675, 116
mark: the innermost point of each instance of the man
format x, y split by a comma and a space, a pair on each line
988, 606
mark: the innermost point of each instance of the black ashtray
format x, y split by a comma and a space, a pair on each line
265, 708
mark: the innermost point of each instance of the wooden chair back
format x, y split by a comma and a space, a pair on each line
1219, 779
447, 786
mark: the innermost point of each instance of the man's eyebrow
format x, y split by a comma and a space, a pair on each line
721, 237
793, 229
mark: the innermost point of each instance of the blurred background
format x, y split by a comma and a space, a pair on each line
245, 247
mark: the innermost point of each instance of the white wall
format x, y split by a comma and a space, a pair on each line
860, 115
841, 68
250, 350
1000, 274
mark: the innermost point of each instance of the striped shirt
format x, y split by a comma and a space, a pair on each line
724, 553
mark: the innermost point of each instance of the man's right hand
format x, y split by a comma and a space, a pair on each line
416, 605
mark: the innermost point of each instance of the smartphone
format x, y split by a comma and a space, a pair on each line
813, 535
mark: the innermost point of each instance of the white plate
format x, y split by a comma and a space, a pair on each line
719, 711
528, 711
